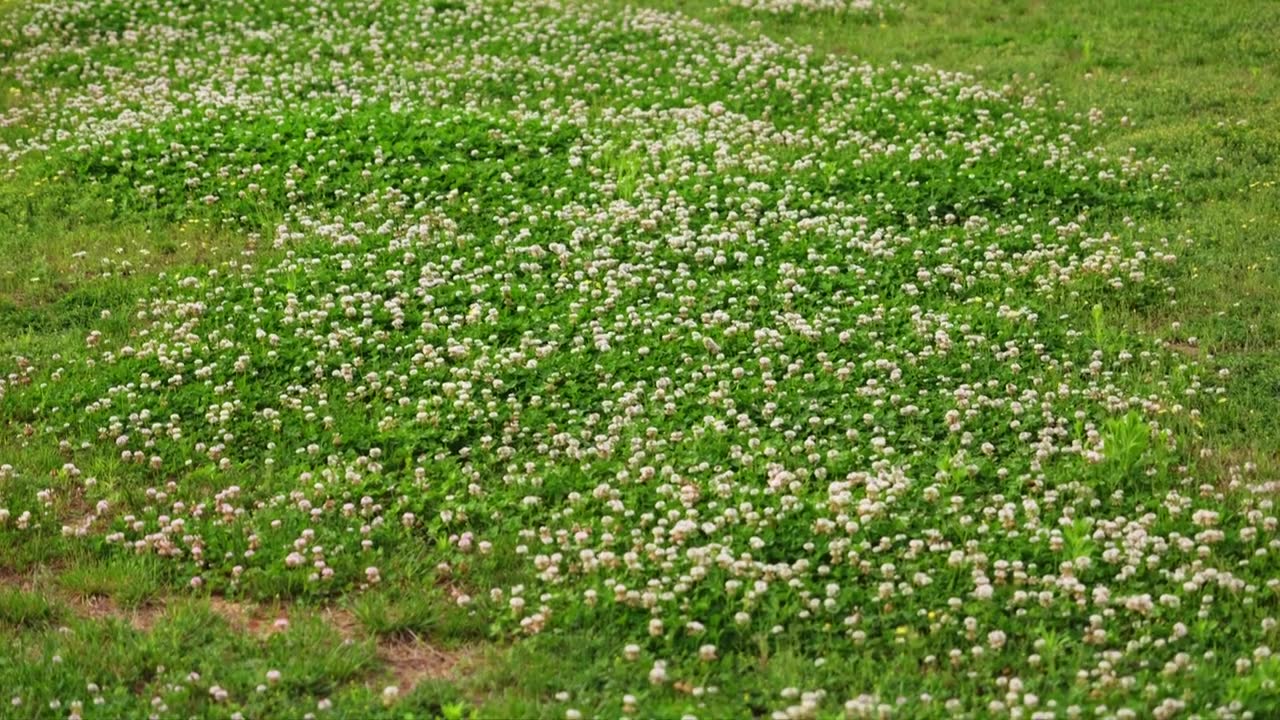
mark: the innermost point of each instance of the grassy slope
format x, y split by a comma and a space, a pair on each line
1199, 82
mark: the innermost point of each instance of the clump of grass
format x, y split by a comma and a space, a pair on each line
129, 582
24, 609
415, 614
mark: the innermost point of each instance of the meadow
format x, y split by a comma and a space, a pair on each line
664, 359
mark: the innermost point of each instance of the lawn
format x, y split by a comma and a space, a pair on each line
667, 358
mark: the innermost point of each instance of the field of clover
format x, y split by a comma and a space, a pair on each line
613, 319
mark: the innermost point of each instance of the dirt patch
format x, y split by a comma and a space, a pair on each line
98, 607
344, 623
251, 618
15, 580
412, 660
409, 658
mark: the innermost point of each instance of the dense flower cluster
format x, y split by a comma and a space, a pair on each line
708, 338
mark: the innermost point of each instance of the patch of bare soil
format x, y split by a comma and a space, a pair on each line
15, 580
412, 660
98, 607
252, 618
344, 623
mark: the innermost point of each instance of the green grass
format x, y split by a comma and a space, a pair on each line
608, 317
20, 609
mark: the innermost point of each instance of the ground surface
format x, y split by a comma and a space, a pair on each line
676, 359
